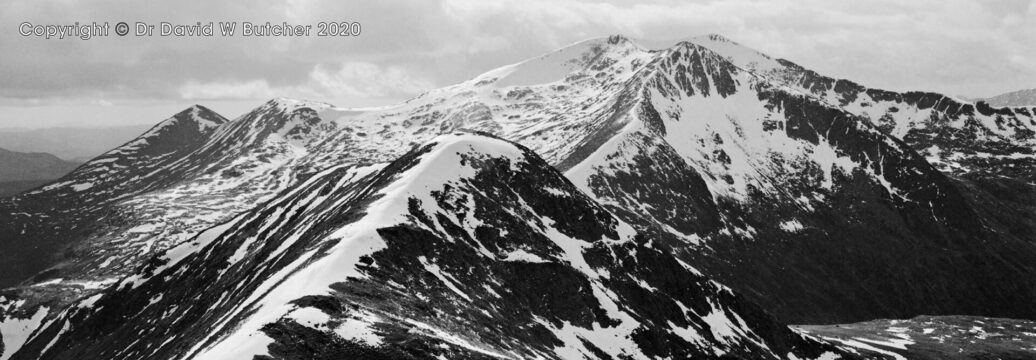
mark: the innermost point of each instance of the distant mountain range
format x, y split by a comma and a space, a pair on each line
75, 144
1025, 97
606, 200
22, 171
32, 157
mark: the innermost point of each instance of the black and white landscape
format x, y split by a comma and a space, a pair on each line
612, 199
22, 171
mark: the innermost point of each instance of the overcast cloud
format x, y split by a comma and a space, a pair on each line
970, 48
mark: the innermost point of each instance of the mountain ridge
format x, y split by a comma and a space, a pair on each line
21, 171
430, 203
72, 144
32, 166
1018, 98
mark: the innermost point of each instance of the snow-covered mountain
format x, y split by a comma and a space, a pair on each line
40, 224
467, 247
819, 199
1020, 98
956, 135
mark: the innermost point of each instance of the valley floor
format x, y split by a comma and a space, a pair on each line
935, 337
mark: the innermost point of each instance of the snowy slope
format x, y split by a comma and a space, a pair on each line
958, 136
1018, 98
936, 337
34, 226
467, 247
186, 174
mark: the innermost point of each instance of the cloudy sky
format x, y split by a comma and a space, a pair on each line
969, 48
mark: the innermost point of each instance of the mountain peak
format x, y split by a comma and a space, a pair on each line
461, 142
295, 120
288, 104
738, 54
591, 55
447, 156
202, 116
716, 37
618, 39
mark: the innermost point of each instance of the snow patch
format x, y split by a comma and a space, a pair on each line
358, 328
309, 316
16, 331
82, 186
791, 226
446, 279
860, 345
523, 256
